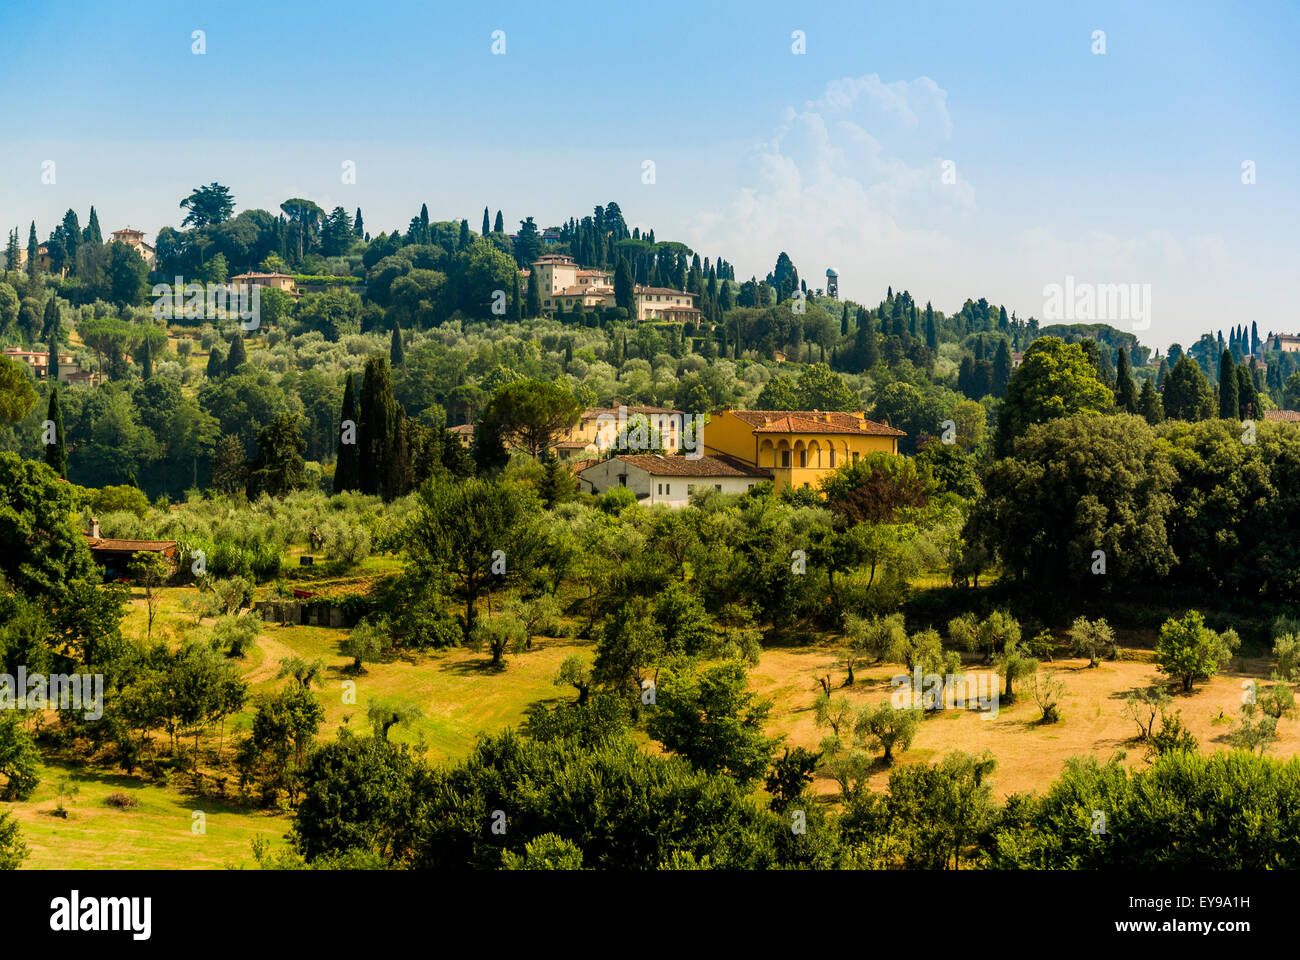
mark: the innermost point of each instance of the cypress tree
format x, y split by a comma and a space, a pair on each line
55, 453
236, 357
146, 361
401, 477
931, 331
1247, 404
1161, 373
1001, 369
624, 290
533, 304
486, 230
93, 234
357, 229
396, 353
33, 265
1126, 397
464, 235
346, 466
499, 226
216, 363
516, 302
868, 353
50, 317
377, 430
1228, 399
1149, 404
52, 370
844, 321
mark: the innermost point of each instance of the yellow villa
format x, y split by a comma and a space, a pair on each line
799, 447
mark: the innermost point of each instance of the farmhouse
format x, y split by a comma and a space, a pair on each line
279, 281
670, 480
38, 361
798, 447
115, 555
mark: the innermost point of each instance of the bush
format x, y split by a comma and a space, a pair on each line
122, 801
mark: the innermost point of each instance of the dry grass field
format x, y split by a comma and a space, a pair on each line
460, 695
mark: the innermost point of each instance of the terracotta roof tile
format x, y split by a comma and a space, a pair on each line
813, 421
681, 466
107, 543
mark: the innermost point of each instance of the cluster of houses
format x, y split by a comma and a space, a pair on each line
731, 453
132, 238
563, 285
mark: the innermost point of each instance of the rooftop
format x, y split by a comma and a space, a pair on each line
814, 421
681, 466
148, 546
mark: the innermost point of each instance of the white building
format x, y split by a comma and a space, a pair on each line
670, 480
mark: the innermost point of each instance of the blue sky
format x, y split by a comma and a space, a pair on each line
1117, 168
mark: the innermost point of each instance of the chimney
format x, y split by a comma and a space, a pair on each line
94, 527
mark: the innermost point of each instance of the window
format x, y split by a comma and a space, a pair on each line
855, 457
785, 458
750, 487
668, 489
717, 487
832, 456
661, 489
803, 460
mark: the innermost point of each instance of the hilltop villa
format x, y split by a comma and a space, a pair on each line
562, 285
135, 240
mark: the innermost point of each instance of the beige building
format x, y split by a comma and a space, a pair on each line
665, 303
599, 428
135, 239
1286, 342
277, 281
38, 361
562, 285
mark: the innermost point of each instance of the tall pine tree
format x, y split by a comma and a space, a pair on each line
33, 248
236, 357
533, 302
1228, 400
347, 465
396, 352
377, 430
92, 232
1126, 395
55, 453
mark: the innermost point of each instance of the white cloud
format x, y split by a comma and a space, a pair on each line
853, 179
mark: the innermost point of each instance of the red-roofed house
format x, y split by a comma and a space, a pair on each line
798, 447
658, 479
